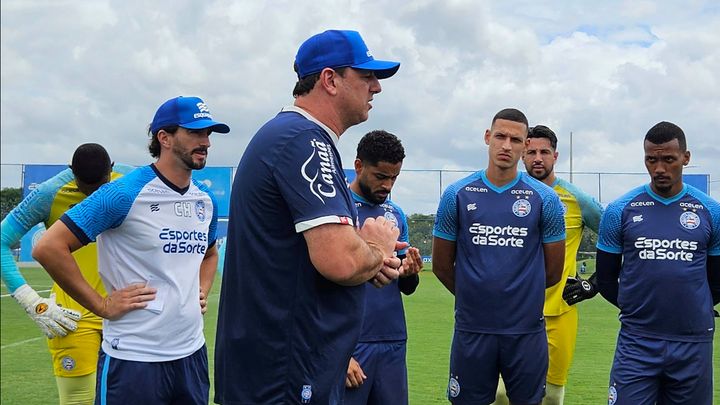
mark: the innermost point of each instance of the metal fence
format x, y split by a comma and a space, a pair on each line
419, 191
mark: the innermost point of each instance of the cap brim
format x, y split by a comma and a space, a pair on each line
214, 126
382, 68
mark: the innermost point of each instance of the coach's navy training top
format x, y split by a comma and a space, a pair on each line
663, 287
285, 333
499, 265
384, 317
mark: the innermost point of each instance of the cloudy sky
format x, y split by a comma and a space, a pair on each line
96, 71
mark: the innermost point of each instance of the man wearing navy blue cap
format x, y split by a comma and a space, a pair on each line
155, 231
297, 259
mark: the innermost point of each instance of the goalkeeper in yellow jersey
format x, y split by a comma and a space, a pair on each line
74, 333
561, 317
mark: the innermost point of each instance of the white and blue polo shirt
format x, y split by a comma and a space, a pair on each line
148, 230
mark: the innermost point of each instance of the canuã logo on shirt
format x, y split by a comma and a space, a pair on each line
321, 182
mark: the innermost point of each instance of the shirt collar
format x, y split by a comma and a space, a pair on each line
307, 115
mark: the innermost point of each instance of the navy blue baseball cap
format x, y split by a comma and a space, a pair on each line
186, 112
335, 49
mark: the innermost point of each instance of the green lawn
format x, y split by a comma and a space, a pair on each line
26, 376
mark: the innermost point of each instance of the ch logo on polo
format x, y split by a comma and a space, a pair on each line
472, 207
183, 208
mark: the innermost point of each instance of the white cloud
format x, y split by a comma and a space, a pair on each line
605, 71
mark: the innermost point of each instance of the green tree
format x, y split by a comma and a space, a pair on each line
420, 231
587, 245
10, 197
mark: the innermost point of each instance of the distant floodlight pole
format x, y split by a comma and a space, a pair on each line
571, 168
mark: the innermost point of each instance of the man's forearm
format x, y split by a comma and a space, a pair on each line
208, 268
607, 268
55, 255
65, 272
446, 277
713, 275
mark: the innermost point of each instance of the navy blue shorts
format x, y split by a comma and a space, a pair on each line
384, 365
476, 360
647, 370
181, 381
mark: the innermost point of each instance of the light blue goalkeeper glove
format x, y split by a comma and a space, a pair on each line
51, 318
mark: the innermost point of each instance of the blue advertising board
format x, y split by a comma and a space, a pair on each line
699, 181
36, 174
219, 180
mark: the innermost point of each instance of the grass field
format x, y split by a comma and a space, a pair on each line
26, 375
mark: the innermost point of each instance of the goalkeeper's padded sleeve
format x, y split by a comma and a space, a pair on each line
10, 274
607, 269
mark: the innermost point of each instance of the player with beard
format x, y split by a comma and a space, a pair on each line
155, 229
377, 373
561, 315
658, 261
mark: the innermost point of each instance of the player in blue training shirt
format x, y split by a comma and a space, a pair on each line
295, 266
155, 230
658, 261
377, 373
499, 241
